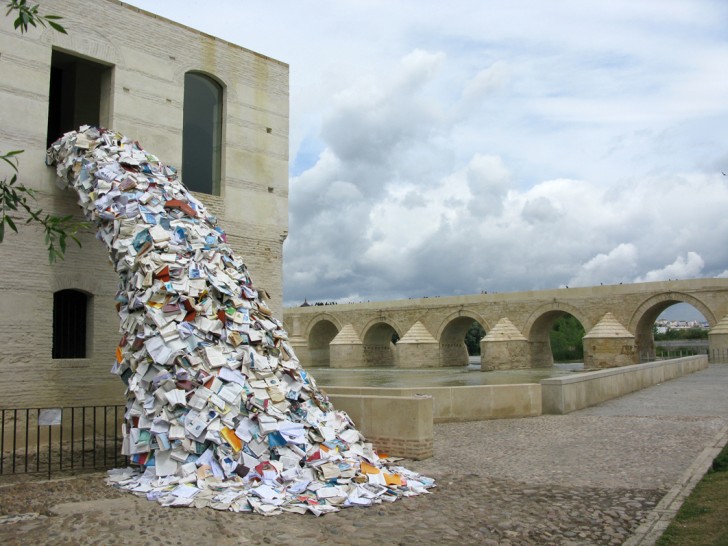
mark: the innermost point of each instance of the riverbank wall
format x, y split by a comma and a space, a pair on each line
399, 421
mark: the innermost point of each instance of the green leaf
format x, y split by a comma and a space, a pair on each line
2, 231
57, 27
11, 223
10, 159
30, 16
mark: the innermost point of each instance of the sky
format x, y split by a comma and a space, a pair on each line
446, 148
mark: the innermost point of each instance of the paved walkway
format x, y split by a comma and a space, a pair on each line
607, 475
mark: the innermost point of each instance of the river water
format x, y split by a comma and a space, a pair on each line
436, 377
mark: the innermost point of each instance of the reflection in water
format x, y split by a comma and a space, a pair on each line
436, 377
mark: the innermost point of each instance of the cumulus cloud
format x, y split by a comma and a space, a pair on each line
393, 209
682, 268
419, 67
540, 209
373, 124
488, 181
616, 265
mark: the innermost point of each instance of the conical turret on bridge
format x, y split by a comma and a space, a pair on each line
417, 348
346, 349
504, 348
608, 345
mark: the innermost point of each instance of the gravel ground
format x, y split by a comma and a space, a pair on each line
590, 477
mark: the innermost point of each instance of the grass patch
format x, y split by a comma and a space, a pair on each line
703, 518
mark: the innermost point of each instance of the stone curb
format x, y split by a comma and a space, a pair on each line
662, 515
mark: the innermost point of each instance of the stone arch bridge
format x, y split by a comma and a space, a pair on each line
617, 319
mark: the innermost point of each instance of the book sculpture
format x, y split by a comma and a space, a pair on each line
219, 412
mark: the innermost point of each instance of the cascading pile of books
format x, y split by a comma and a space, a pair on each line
219, 412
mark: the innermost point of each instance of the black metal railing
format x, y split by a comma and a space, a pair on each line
663, 353
715, 356
47, 440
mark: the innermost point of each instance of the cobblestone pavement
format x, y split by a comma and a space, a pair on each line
591, 477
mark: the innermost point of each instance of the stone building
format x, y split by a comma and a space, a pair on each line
215, 110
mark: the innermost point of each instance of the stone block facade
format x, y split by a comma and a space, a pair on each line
143, 60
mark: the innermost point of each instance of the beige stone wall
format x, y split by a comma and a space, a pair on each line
609, 352
467, 403
148, 56
400, 426
416, 355
504, 355
562, 395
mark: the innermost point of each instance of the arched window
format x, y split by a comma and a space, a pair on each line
202, 134
70, 310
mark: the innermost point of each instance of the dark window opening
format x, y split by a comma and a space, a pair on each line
202, 134
77, 94
70, 309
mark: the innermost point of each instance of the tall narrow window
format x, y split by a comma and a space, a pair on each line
78, 95
202, 134
70, 310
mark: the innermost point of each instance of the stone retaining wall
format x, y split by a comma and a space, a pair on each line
562, 395
400, 426
399, 421
469, 403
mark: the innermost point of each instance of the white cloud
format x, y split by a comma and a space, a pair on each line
486, 81
419, 67
488, 180
614, 266
682, 268
540, 209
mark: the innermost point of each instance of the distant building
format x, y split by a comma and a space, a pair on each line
665, 325
215, 110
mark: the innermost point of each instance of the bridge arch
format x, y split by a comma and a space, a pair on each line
538, 328
646, 314
451, 336
377, 347
320, 333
